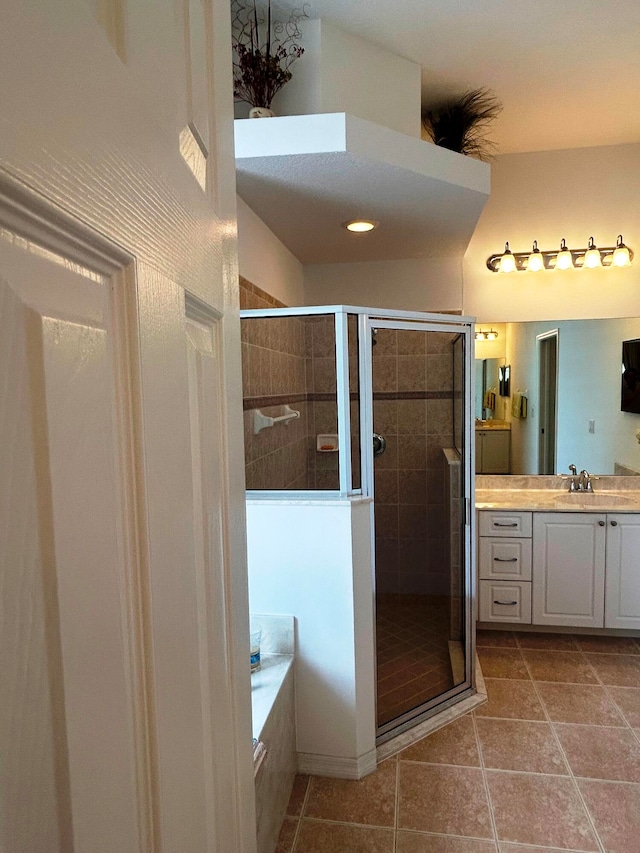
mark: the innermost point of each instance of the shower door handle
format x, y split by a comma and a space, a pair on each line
379, 444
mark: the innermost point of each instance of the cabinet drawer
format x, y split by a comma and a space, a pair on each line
505, 523
502, 601
505, 559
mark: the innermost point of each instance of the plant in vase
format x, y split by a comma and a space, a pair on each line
264, 48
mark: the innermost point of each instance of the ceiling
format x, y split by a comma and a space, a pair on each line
567, 73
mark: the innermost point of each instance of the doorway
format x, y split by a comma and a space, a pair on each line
547, 401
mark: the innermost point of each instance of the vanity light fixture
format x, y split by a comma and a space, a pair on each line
563, 258
491, 335
360, 226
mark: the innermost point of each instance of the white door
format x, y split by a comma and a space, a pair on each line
623, 577
568, 569
125, 719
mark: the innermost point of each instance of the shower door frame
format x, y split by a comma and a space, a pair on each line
367, 319
461, 326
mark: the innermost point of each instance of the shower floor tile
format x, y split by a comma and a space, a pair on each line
414, 664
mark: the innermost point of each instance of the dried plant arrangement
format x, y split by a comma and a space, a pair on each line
462, 124
264, 48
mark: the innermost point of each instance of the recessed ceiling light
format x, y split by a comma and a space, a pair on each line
360, 226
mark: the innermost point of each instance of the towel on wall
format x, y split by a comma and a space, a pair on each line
519, 406
490, 400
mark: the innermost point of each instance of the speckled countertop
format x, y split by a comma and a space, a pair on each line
551, 494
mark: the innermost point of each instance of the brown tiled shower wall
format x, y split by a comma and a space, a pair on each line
413, 410
288, 361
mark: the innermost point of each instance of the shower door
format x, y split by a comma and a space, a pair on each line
422, 481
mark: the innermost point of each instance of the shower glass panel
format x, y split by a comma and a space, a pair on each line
420, 625
290, 401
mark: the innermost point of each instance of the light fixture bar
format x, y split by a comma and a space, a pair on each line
618, 255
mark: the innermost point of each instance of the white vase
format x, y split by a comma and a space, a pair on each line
261, 112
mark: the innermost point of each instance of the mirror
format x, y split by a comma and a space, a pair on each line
488, 380
591, 430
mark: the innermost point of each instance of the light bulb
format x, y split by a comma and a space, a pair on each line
507, 261
621, 256
360, 226
592, 257
491, 335
536, 261
564, 261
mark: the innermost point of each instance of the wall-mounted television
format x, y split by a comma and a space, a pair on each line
630, 397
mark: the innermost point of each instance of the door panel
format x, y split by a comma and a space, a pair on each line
568, 569
67, 483
420, 483
623, 578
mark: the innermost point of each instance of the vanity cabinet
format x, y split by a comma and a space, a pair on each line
493, 451
572, 569
504, 567
569, 551
622, 584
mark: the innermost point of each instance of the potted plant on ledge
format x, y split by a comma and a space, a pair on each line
263, 51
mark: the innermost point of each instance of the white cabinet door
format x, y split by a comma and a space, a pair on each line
568, 569
495, 451
623, 572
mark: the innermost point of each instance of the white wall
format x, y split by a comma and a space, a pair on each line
429, 284
343, 73
265, 261
313, 559
545, 196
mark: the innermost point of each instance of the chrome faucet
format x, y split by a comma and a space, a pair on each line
573, 479
584, 482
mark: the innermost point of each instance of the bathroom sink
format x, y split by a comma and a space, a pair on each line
596, 500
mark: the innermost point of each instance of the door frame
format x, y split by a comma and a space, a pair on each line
548, 399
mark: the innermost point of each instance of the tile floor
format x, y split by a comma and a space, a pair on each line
551, 763
412, 637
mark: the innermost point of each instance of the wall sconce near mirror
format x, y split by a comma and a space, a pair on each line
562, 258
491, 335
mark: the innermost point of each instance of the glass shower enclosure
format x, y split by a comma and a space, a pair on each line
346, 401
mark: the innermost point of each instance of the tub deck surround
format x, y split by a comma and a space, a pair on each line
551, 494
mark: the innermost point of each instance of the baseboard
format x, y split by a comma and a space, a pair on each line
340, 768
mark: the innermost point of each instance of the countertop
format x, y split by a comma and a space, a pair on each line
554, 500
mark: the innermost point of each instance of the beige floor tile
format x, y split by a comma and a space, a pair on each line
518, 848
502, 663
497, 639
298, 793
418, 842
287, 835
579, 703
628, 701
601, 753
370, 800
542, 810
452, 744
319, 837
615, 809
521, 745
443, 799
618, 670
551, 642
608, 645
511, 699
570, 667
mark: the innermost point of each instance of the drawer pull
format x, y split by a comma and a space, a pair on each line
505, 559
504, 603
511, 524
